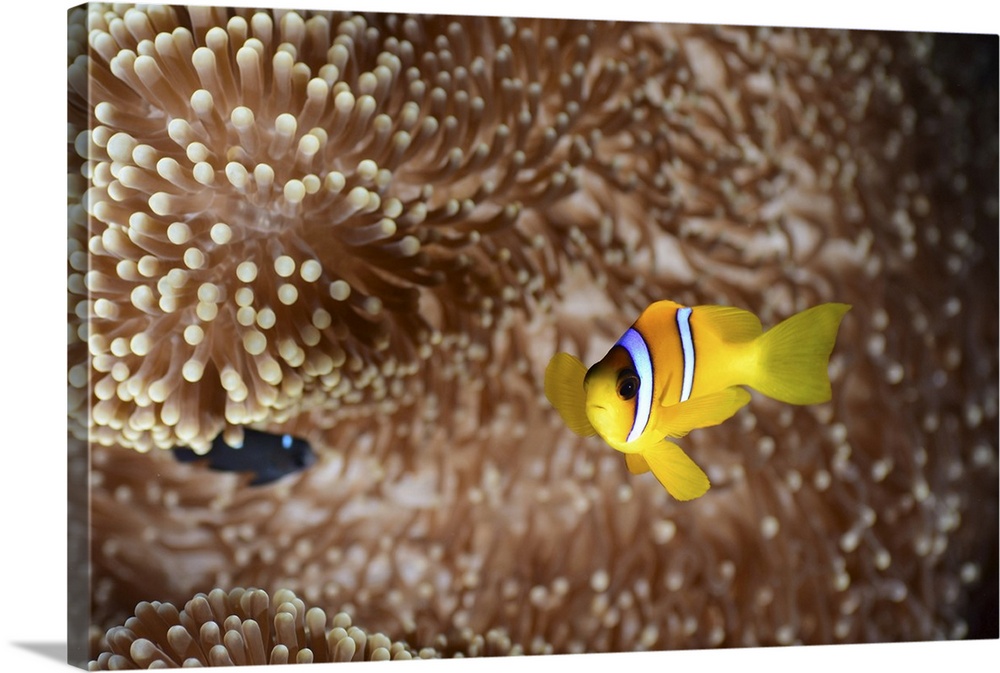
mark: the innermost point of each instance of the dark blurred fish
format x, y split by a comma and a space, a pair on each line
268, 456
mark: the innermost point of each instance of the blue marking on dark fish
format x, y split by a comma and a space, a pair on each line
268, 456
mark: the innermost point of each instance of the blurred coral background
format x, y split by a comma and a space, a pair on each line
372, 231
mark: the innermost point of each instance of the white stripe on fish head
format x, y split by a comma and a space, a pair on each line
635, 344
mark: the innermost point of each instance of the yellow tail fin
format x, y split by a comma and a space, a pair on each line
793, 356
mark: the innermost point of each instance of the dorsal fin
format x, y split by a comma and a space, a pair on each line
564, 389
732, 325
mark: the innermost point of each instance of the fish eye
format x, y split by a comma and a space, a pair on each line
628, 384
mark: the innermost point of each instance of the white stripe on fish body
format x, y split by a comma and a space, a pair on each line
687, 348
635, 344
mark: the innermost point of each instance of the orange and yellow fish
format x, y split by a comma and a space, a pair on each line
679, 368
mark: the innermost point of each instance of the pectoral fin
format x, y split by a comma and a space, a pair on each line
701, 412
564, 389
676, 471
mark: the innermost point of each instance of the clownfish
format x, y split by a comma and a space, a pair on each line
678, 368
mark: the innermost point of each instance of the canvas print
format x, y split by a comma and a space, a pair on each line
400, 336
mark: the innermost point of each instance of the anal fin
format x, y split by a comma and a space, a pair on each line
636, 464
682, 478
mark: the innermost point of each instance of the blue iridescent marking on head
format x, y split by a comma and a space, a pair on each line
637, 349
286, 441
687, 348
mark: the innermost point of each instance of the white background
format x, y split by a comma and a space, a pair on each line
32, 397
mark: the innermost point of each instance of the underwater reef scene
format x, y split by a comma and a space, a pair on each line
370, 232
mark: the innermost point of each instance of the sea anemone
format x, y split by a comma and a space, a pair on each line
249, 627
762, 168
288, 211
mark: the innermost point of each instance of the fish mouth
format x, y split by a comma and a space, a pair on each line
597, 415
594, 409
